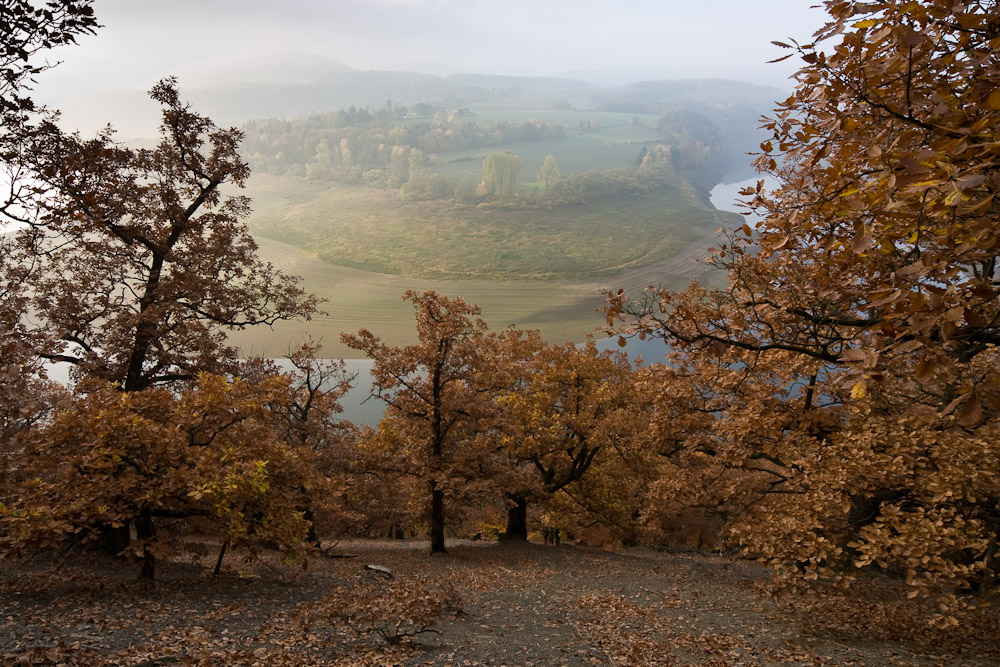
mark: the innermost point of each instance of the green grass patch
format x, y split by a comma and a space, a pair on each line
375, 230
577, 151
615, 142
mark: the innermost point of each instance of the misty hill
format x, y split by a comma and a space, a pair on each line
289, 85
292, 84
717, 93
518, 82
289, 67
236, 102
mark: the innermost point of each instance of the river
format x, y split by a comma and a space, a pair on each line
724, 195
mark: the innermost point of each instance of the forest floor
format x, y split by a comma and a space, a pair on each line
527, 605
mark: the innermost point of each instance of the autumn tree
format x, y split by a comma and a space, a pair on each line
562, 411
309, 418
133, 265
28, 31
549, 172
429, 392
28, 396
146, 262
866, 302
140, 265
386, 490
502, 174
217, 452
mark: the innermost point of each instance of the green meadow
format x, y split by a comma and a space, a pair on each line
376, 230
615, 142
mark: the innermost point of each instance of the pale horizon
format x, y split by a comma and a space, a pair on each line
141, 42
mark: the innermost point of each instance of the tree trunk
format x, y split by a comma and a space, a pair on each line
312, 535
144, 532
437, 520
218, 562
517, 520
114, 539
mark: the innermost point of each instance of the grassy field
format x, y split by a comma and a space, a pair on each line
577, 151
615, 143
513, 111
561, 309
374, 230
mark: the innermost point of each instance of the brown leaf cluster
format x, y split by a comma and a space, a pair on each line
837, 402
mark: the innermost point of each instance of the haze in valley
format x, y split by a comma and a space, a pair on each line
208, 44
605, 73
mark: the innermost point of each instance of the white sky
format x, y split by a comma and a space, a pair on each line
143, 40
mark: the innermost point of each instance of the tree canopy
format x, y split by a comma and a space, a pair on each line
502, 174
429, 390
131, 264
144, 262
851, 363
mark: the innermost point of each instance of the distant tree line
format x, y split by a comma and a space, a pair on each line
389, 147
655, 170
375, 146
359, 146
709, 140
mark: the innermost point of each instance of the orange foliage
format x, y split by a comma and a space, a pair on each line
840, 396
432, 406
218, 452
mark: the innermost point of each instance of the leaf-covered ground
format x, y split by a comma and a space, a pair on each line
526, 605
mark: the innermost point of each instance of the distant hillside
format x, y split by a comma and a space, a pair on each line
519, 82
287, 85
716, 93
290, 85
285, 68
237, 102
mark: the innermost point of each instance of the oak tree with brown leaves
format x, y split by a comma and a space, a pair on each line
429, 390
146, 262
563, 411
217, 453
133, 264
854, 353
28, 31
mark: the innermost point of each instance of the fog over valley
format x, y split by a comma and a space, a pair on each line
368, 129
212, 45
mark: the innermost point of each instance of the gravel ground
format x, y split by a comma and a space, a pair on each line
526, 605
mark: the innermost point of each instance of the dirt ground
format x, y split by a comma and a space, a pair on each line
524, 605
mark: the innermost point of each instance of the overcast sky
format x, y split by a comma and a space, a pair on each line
143, 40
